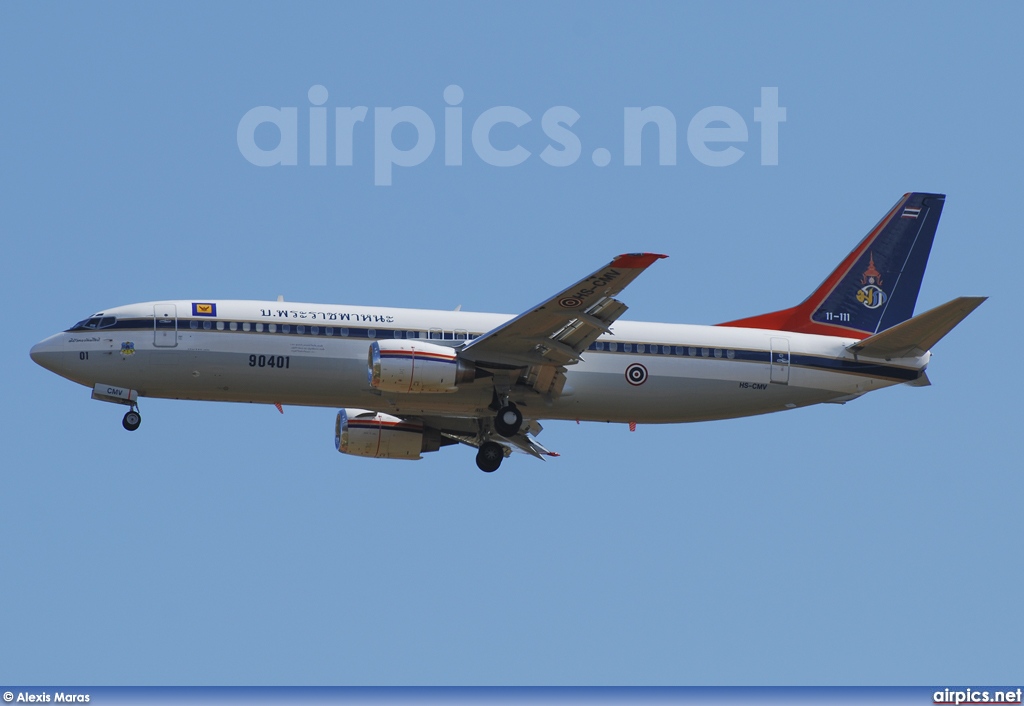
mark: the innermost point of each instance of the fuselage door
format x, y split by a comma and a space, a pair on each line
165, 325
780, 361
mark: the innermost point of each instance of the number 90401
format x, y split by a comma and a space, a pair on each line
270, 361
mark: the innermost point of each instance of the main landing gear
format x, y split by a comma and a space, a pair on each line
490, 456
508, 421
132, 419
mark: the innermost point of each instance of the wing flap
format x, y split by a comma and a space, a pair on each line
916, 336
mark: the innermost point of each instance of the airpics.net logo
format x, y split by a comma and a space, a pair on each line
715, 136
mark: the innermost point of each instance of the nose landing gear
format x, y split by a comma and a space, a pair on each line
132, 419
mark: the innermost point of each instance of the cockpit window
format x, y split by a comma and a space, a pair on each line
94, 323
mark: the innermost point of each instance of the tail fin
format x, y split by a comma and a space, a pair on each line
876, 286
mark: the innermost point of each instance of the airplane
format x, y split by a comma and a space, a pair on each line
411, 381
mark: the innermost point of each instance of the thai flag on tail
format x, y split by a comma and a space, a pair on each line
911, 212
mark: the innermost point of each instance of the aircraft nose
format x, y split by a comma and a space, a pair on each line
46, 353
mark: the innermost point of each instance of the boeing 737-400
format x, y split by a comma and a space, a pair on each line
409, 381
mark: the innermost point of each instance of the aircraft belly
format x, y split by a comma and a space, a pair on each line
687, 390
333, 373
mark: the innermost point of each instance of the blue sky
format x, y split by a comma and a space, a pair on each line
872, 543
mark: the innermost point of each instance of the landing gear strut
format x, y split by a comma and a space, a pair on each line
508, 421
132, 419
490, 456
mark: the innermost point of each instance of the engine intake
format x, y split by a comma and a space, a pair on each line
412, 366
360, 432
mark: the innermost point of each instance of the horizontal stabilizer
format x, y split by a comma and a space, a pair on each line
916, 336
922, 381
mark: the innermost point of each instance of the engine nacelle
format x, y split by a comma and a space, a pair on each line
412, 366
361, 432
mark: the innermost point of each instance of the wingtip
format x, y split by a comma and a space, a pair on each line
637, 260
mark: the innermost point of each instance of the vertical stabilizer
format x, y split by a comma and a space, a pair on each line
876, 286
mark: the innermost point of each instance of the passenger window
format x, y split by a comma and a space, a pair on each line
259, 328
245, 327
193, 324
286, 328
233, 326
220, 325
627, 347
718, 352
371, 333
730, 354
300, 329
315, 330
330, 331
411, 334
343, 331
705, 352
207, 325
272, 328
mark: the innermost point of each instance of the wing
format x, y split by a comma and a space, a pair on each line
555, 333
467, 430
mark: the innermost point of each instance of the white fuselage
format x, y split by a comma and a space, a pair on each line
313, 354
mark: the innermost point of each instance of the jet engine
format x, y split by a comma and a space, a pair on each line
413, 366
361, 432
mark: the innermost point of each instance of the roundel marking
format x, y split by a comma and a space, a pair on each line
570, 303
636, 374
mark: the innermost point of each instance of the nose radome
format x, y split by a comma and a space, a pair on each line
37, 353
46, 353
